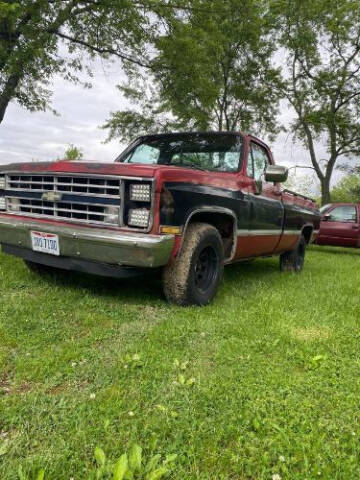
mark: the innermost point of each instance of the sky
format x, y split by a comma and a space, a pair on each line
27, 136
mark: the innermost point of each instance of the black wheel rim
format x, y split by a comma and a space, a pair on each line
206, 268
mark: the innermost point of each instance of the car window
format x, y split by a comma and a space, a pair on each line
257, 162
144, 154
344, 213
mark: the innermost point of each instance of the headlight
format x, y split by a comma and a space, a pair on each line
111, 215
140, 192
13, 205
139, 217
2, 203
2, 182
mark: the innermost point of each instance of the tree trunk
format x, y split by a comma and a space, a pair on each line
325, 191
8, 93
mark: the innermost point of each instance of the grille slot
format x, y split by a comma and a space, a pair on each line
70, 184
88, 210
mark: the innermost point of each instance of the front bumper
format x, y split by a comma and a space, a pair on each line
94, 244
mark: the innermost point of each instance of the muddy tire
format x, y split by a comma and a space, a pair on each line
194, 276
40, 269
293, 261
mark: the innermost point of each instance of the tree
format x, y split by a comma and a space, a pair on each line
212, 70
322, 41
347, 190
41, 38
73, 153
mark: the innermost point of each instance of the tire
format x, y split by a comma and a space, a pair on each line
40, 269
194, 276
293, 261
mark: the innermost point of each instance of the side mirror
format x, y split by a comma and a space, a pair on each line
276, 173
325, 218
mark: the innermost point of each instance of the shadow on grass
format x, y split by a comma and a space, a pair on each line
148, 288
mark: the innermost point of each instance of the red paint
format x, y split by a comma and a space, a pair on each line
340, 233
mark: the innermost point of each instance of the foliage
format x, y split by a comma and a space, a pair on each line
347, 190
41, 38
133, 465
321, 39
212, 70
264, 402
72, 153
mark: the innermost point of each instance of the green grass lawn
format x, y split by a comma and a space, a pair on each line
271, 388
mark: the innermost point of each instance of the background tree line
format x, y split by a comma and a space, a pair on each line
200, 64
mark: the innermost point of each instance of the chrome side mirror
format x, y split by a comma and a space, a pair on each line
325, 218
276, 173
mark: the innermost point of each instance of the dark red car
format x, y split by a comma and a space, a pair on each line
340, 225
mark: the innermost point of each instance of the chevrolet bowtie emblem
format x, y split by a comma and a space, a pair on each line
51, 196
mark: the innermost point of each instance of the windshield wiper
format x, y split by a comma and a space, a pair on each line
191, 165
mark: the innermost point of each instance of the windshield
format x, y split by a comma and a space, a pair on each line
325, 207
203, 151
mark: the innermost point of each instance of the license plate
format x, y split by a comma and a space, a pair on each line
45, 243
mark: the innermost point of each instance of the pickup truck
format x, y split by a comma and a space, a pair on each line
340, 225
185, 203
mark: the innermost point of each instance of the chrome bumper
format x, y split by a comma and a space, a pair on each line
99, 245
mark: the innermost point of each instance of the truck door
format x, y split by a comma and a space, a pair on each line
266, 214
340, 226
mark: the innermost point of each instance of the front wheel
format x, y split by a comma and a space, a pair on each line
293, 261
194, 276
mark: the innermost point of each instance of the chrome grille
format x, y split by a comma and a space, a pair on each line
72, 184
78, 202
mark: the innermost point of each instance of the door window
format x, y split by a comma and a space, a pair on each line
257, 162
344, 213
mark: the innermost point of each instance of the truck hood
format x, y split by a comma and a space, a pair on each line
95, 168
162, 173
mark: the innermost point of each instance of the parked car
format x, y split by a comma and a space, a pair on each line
186, 203
340, 225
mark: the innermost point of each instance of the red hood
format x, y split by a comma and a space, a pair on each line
99, 168
160, 172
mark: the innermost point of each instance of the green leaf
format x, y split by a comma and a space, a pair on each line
100, 456
121, 467
152, 463
170, 458
135, 458
158, 473
40, 474
181, 379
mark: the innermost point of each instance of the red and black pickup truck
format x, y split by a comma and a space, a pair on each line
186, 203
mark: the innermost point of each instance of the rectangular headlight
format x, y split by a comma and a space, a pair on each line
2, 182
140, 192
2, 203
139, 217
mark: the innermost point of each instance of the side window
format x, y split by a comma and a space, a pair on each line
345, 213
257, 162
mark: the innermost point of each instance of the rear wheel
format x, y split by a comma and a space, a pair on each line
194, 276
293, 261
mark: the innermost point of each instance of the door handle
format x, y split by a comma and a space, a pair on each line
355, 227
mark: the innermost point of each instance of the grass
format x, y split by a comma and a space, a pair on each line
271, 388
